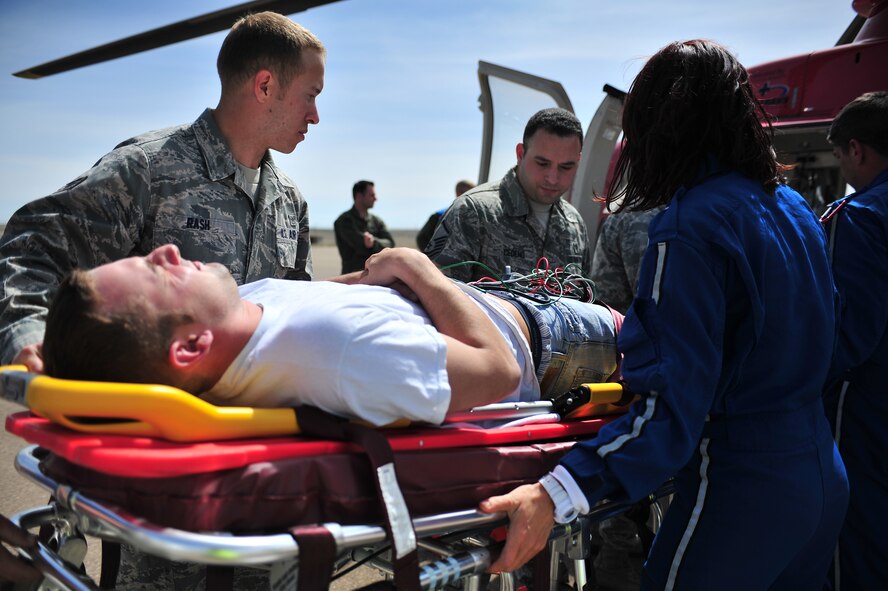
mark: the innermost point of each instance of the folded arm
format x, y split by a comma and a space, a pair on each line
480, 366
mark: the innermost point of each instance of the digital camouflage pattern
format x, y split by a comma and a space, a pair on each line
179, 185
622, 240
494, 225
349, 229
424, 236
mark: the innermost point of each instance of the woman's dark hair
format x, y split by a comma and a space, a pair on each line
691, 102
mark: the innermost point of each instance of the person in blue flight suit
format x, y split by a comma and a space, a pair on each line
728, 342
857, 388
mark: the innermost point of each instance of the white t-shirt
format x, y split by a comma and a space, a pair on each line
357, 351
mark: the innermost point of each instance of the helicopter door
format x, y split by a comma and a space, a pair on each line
597, 164
514, 96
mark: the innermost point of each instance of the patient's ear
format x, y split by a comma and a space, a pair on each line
189, 347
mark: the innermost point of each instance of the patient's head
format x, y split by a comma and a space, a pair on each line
133, 319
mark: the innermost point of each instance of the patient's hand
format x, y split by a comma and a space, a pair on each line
32, 357
404, 290
393, 265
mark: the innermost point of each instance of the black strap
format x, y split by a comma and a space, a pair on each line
110, 564
220, 577
398, 525
317, 552
378, 586
541, 566
639, 513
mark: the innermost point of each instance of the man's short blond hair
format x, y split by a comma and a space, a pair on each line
264, 41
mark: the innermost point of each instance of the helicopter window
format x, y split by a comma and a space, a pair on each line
513, 105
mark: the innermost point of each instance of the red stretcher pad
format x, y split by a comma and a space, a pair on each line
267, 485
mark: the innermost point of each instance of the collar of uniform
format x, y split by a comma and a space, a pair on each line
217, 156
838, 204
270, 183
220, 162
881, 178
356, 214
515, 199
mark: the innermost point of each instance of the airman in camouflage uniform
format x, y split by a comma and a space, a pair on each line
622, 240
492, 224
519, 219
179, 186
183, 186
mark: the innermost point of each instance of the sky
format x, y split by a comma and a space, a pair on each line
400, 102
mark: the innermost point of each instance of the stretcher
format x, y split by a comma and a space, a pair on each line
169, 475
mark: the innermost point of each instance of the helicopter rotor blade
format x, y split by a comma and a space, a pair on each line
183, 30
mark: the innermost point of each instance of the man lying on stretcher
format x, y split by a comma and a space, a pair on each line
360, 351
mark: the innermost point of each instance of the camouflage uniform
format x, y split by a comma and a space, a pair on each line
622, 240
349, 229
493, 224
179, 185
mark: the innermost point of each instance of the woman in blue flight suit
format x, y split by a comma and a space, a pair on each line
728, 341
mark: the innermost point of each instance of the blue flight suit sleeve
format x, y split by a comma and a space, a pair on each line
672, 342
860, 268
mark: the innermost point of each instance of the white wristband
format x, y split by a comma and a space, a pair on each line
565, 512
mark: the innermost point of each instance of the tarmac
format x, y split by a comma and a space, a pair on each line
18, 494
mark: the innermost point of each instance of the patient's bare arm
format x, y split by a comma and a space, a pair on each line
480, 366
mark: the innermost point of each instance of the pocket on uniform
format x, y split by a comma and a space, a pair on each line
287, 251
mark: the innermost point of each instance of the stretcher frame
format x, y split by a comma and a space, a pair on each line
75, 515
71, 515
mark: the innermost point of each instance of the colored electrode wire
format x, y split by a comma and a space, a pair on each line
543, 285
